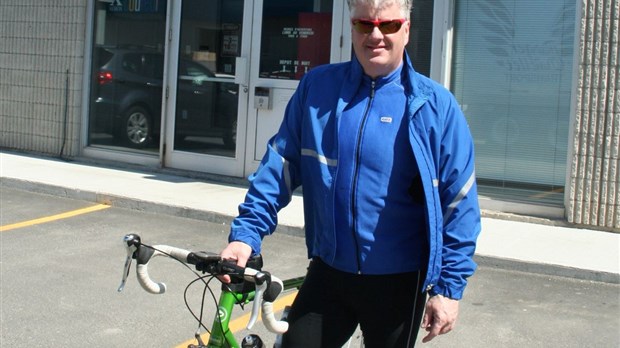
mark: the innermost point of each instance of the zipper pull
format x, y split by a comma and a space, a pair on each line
372, 89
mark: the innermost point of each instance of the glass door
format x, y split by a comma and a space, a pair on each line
289, 39
206, 122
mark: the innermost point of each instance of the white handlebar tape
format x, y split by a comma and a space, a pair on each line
146, 282
271, 323
142, 269
268, 316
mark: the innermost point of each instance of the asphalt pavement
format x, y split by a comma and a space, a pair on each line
541, 283
61, 262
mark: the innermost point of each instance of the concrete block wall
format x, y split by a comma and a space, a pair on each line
41, 70
594, 181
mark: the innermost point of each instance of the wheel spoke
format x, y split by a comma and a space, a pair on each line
137, 128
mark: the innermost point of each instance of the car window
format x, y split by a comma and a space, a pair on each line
197, 70
154, 66
193, 73
188, 68
145, 64
132, 62
102, 56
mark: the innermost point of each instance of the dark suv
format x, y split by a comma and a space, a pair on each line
127, 98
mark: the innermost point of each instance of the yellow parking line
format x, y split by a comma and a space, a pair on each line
548, 193
241, 322
54, 217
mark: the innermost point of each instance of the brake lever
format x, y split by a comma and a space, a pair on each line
261, 280
131, 241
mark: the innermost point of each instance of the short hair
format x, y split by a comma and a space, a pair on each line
405, 5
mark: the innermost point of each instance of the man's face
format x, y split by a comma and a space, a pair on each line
379, 53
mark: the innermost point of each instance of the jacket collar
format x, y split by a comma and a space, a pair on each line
413, 84
410, 79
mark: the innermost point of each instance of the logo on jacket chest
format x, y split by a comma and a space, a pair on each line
386, 119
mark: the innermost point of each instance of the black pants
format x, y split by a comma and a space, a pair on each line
330, 305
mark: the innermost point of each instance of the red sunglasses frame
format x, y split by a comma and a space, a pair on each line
376, 23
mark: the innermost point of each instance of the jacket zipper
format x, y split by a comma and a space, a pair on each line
358, 154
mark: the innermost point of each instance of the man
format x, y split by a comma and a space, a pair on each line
386, 162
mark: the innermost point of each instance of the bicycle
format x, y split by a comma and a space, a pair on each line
238, 292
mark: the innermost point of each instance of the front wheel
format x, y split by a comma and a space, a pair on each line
136, 128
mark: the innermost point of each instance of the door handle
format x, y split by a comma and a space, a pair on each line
241, 72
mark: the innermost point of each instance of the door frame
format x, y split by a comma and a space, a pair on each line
340, 50
441, 51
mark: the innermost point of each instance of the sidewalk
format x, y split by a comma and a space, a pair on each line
572, 252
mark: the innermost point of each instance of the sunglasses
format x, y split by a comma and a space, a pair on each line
366, 26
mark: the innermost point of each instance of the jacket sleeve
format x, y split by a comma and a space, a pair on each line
272, 185
459, 202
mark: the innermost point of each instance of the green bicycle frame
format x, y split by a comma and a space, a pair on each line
221, 336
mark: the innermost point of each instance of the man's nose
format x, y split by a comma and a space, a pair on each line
375, 33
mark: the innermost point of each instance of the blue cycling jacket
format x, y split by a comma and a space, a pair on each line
304, 152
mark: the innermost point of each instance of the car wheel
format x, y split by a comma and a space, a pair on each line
136, 129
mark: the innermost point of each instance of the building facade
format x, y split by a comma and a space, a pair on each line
200, 85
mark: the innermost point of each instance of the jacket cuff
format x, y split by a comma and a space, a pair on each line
250, 239
447, 291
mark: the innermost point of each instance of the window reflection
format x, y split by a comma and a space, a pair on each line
296, 37
513, 79
207, 98
127, 73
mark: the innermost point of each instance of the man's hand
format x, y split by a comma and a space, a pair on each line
439, 317
237, 251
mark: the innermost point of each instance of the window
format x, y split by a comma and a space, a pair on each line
512, 75
421, 36
296, 37
127, 74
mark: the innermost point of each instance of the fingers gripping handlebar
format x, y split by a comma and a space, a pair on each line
268, 287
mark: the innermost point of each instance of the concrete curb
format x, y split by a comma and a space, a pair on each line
186, 212
547, 269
